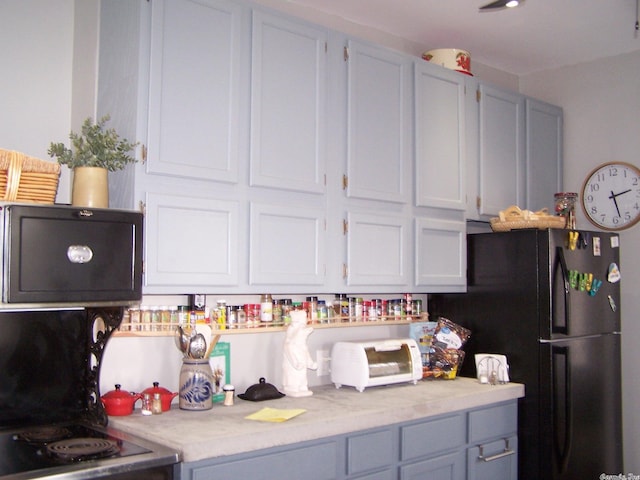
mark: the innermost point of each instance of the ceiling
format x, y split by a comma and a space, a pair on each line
538, 35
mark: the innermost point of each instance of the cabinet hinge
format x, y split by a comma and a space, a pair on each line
326, 47
478, 95
478, 202
142, 207
345, 227
144, 153
325, 179
345, 270
345, 182
346, 53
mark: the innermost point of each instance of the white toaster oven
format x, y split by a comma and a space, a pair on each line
375, 362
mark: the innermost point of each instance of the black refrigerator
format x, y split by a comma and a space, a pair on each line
536, 297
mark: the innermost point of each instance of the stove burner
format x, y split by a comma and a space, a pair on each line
76, 449
44, 435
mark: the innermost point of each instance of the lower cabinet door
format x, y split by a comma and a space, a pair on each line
444, 467
496, 460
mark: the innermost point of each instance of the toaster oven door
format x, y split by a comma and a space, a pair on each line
69, 254
389, 362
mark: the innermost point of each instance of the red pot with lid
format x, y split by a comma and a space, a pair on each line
119, 402
165, 395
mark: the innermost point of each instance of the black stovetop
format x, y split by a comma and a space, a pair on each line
34, 448
49, 381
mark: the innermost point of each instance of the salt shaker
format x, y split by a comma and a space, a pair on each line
229, 392
147, 404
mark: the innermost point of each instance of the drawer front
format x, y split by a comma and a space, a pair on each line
498, 421
315, 462
370, 451
434, 436
495, 460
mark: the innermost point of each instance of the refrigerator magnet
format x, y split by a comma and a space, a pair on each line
596, 246
614, 273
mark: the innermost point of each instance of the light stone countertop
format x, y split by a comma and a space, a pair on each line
224, 431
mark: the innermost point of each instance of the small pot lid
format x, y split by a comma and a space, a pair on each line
157, 389
117, 394
261, 391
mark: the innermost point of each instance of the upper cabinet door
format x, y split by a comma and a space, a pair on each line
439, 137
378, 123
544, 154
288, 103
377, 250
191, 241
501, 170
195, 88
287, 246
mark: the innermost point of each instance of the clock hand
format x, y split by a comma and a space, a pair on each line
615, 202
621, 193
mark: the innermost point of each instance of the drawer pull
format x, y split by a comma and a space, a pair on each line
505, 453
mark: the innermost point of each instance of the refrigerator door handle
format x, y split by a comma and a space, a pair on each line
562, 412
561, 265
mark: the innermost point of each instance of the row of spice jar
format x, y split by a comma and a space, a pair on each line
273, 312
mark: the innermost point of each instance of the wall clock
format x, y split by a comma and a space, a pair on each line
611, 196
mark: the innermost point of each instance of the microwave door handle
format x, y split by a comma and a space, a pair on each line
561, 265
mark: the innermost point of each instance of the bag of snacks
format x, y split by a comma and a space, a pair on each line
446, 354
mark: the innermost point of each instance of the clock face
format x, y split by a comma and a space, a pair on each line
611, 196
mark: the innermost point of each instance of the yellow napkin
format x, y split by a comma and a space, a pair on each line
275, 414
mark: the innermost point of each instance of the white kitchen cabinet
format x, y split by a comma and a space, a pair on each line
195, 88
440, 132
514, 154
377, 250
288, 104
501, 163
440, 254
376, 186
287, 247
378, 123
544, 124
194, 242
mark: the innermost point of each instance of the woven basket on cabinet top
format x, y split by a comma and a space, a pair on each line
27, 179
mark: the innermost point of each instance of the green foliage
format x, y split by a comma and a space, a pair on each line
96, 146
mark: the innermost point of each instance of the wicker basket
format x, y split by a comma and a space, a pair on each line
513, 218
27, 179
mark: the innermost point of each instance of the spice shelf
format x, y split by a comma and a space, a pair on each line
169, 329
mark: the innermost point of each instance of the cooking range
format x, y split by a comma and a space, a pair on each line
66, 276
52, 423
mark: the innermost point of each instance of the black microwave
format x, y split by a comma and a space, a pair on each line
70, 255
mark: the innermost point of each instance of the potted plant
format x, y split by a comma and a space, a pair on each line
95, 151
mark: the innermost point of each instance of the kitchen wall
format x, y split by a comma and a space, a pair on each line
47, 88
601, 102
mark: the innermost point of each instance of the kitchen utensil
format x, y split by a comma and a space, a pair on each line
182, 340
212, 344
119, 402
166, 396
197, 346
